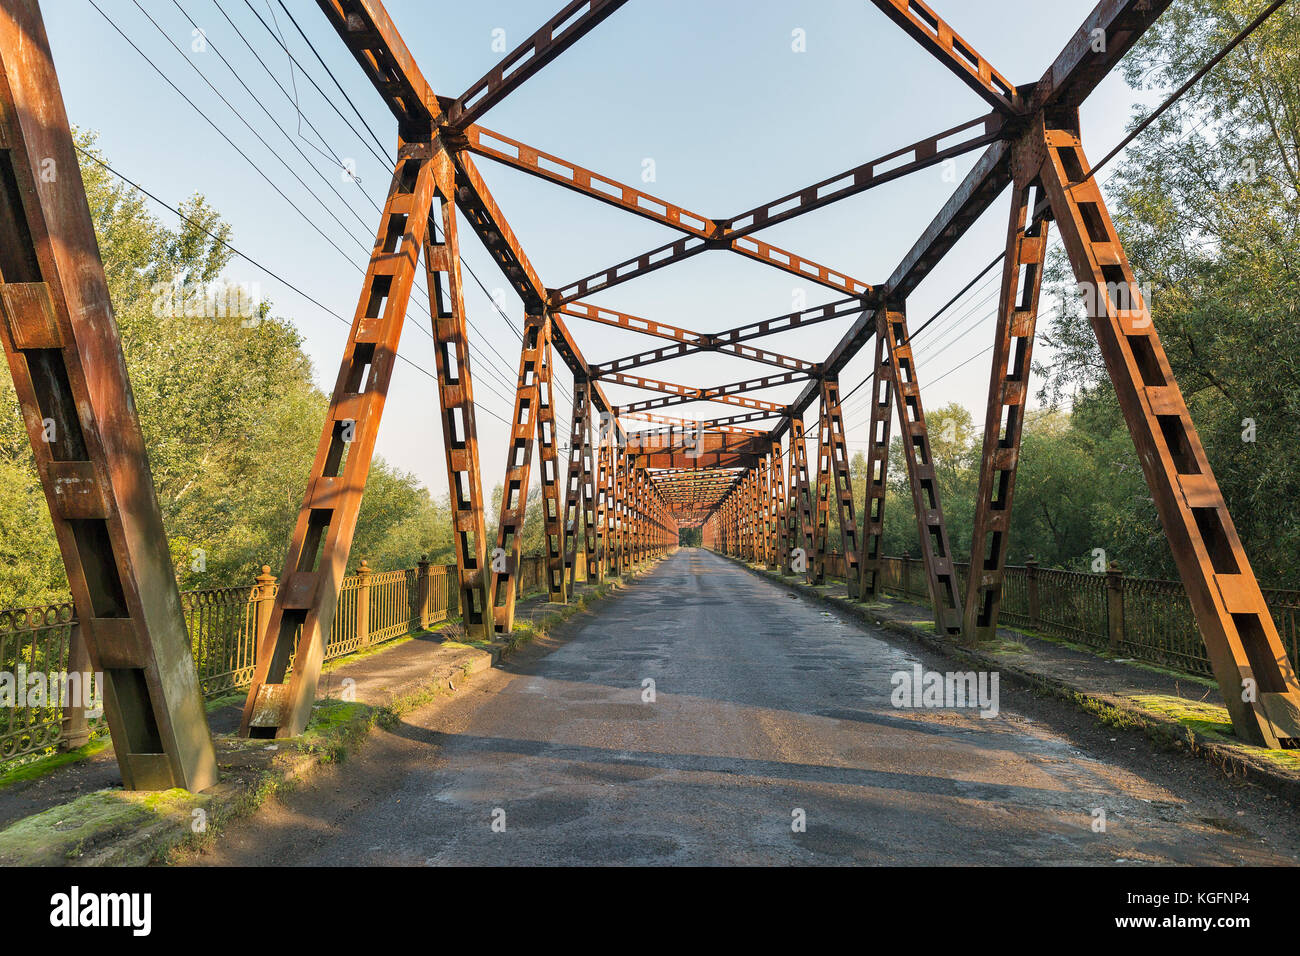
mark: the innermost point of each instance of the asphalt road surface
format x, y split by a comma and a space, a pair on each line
771, 739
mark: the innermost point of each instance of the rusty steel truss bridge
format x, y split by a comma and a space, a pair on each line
745, 479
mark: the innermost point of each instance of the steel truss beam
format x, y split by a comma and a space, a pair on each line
65, 354
322, 537
925, 26
936, 552
1250, 663
1008, 394
729, 394
548, 42
704, 233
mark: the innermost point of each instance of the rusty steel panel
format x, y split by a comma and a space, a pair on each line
1254, 673
1004, 421
936, 553
322, 538
882, 412
456, 399
64, 351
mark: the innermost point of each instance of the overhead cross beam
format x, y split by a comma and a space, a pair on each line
934, 33
550, 40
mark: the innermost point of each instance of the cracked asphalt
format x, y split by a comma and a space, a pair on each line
770, 739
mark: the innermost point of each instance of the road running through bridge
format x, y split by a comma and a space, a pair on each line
767, 710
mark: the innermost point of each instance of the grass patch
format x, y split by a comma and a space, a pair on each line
1209, 720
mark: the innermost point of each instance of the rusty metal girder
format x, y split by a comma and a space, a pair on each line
801, 504
64, 351
928, 29
574, 478
936, 553
842, 485
1251, 665
459, 422
519, 464
322, 537
873, 532
550, 40
1004, 421
920, 155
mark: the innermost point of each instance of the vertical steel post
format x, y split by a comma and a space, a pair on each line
821, 543
573, 478
1252, 667
803, 503
62, 344
935, 550
322, 537
882, 411
590, 504
552, 517
843, 485
505, 582
1008, 393
456, 398
781, 530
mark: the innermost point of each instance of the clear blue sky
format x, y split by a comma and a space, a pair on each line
711, 91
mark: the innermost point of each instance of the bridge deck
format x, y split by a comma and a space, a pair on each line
765, 704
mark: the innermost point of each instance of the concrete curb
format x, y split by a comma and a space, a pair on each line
121, 828
1233, 761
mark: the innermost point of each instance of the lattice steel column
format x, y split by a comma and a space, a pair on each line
573, 478
604, 499
781, 530
322, 538
519, 460
802, 493
821, 543
882, 411
590, 495
1008, 392
552, 518
456, 396
61, 340
1250, 663
935, 550
843, 485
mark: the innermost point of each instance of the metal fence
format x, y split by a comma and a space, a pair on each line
1142, 618
223, 625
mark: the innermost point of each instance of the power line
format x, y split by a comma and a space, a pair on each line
245, 256
486, 363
